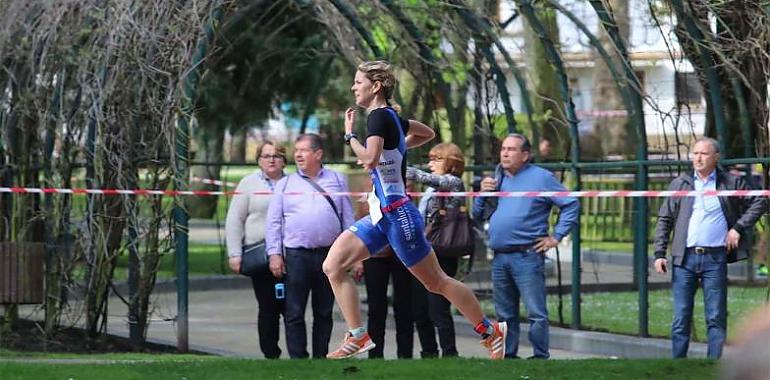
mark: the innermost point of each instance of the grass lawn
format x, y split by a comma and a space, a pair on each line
203, 260
611, 246
176, 367
618, 312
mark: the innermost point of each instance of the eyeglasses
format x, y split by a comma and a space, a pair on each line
271, 157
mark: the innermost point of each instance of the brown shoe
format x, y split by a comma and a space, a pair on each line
495, 343
352, 347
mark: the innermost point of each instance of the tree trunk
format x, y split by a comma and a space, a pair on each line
544, 82
740, 45
239, 139
150, 255
611, 130
210, 150
745, 41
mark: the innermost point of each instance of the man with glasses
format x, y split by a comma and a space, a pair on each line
519, 236
709, 232
304, 227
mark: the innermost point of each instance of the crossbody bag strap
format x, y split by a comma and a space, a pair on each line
434, 218
283, 215
441, 206
328, 198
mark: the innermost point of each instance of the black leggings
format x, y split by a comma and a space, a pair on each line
377, 272
269, 312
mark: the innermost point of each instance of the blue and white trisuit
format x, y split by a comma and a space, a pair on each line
393, 219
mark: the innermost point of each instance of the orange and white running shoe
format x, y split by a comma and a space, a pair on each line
495, 343
352, 347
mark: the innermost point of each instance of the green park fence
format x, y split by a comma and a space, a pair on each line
614, 219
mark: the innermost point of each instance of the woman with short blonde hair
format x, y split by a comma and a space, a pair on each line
393, 219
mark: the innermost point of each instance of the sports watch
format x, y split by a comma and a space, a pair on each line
350, 136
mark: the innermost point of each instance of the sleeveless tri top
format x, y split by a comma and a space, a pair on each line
389, 178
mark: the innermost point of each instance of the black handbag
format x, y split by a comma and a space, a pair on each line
450, 231
254, 259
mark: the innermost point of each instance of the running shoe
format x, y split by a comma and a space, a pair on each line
495, 343
352, 347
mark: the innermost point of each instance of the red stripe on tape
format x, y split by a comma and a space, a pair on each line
524, 194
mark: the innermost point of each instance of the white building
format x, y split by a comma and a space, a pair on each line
667, 78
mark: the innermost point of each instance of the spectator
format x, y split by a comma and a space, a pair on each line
377, 271
304, 227
446, 163
518, 235
244, 226
709, 232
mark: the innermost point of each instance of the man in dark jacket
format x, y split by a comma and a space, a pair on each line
709, 232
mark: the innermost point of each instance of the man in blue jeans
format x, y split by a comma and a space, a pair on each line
709, 232
519, 236
305, 226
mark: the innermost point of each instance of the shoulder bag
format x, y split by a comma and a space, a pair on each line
254, 259
450, 231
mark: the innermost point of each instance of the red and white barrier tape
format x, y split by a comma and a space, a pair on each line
601, 113
213, 182
504, 194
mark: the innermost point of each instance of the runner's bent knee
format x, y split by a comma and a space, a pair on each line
342, 255
436, 283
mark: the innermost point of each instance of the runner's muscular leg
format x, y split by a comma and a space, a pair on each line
435, 280
346, 251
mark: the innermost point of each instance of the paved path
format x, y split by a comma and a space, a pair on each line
224, 322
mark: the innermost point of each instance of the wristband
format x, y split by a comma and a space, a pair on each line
350, 136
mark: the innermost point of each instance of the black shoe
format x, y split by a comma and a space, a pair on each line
536, 358
428, 354
450, 354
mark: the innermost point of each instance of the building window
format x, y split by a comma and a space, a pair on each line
688, 90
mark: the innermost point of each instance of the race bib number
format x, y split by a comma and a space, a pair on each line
375, 212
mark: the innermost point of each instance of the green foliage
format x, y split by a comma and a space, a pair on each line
260, 65
522, 123
382, 39
457, 72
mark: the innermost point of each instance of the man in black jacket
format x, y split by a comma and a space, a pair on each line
709, 232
